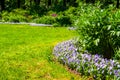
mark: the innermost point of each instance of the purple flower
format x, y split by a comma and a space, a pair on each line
116, 73
111, 67
68, 53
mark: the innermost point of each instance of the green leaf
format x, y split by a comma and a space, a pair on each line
112, 32
97, 41
118, 33
109, 27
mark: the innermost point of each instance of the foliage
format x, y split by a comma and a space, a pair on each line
56, 25
64, 20
17, 15
51, 13
55, 19
99, 30
46, 20
91, 65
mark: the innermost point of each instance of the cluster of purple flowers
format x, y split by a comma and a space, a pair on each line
85, 63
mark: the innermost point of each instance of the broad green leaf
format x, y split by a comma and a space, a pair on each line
109, 27
118, 33
112, 32
97, 41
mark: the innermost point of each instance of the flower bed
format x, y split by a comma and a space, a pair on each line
85, 63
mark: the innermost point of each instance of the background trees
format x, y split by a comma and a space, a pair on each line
13, 4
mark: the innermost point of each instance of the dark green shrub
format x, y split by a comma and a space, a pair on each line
99, 30
64, 20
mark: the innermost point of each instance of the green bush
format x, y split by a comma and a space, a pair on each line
17, 15
50, 13
99, 30
55, 19
46, 20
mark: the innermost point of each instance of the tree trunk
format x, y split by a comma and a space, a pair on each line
30, 3
37, 2
2, 4
56, 2
90, 1
117, 5
72, 2
68, 1
64, 3
49, 3
108, 51
18, 3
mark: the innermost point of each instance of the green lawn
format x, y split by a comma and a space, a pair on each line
26, 53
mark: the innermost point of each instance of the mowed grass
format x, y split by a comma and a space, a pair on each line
26, 53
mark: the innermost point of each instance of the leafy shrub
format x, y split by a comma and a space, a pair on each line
100, 30
91, 65
46, 20
55, 19
71, 10
17, 15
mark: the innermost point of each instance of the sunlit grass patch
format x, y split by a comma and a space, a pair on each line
26, 53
